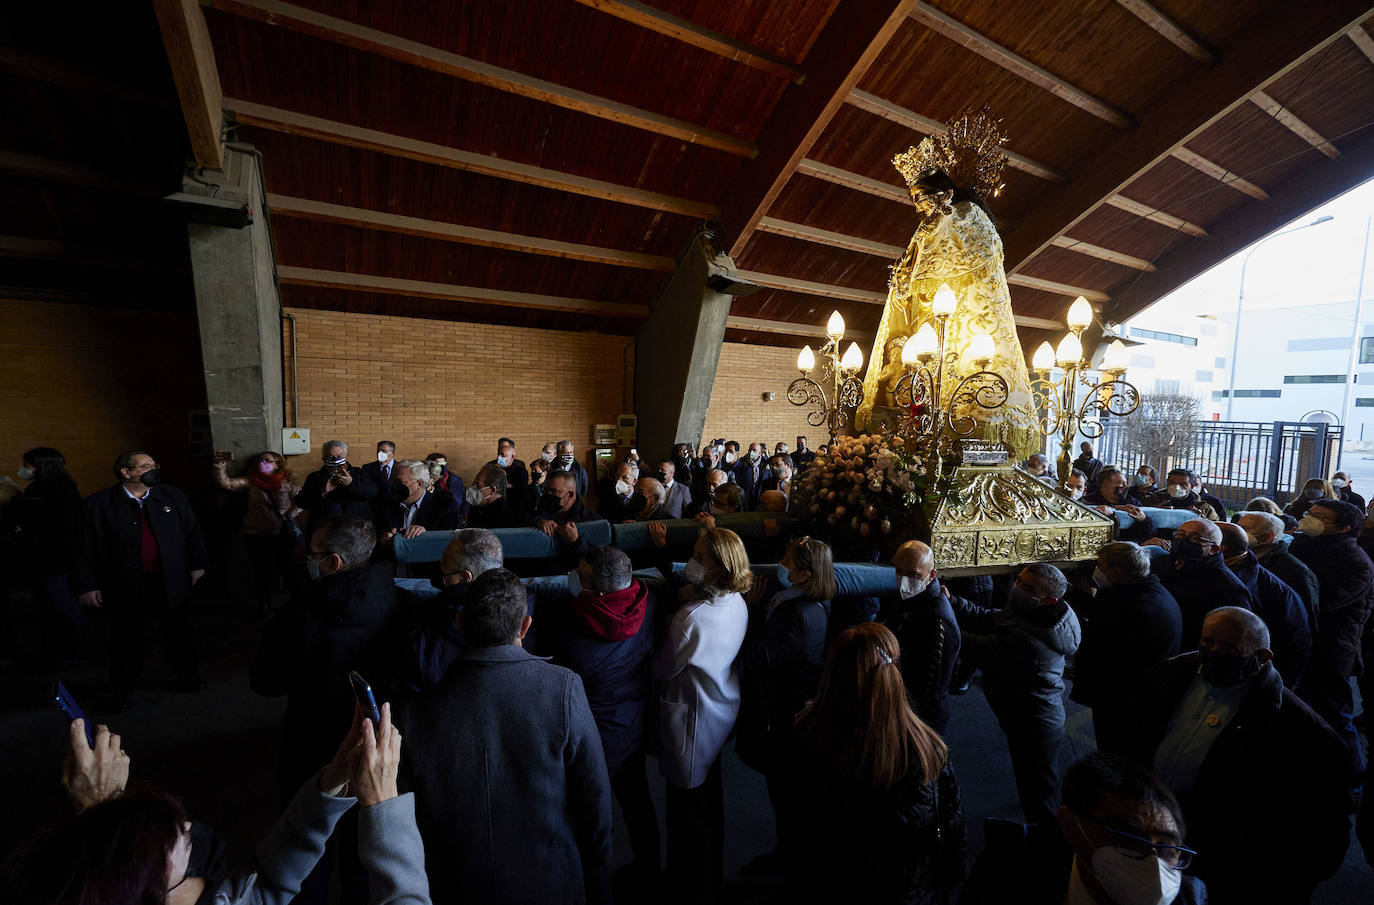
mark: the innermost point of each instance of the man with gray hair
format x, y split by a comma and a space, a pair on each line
1131, 627
1275, 602
566, 460
409, 509
337, 488
1198, 578
647, 503
1039, 467
1264, 782
1263, 531
1021, 649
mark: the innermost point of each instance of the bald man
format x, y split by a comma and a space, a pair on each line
1275, 602
922, 619
1264, 782
1198, 578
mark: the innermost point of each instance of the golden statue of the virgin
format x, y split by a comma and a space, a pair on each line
950, 178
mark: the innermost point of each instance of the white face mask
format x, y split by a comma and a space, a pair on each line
1135, 881
694, 572
1075, 493
383, 456
503, 461
1339, 483
753, 455
909, 586
474, 496
25, 473
729, 456
1311, 525
546, 456
622, 488
1178, 491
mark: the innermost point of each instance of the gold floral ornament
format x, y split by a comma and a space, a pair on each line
969, 152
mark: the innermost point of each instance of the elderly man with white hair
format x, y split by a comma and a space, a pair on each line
1263, 531
647, 502
408, 508
1264, 782
1198, 578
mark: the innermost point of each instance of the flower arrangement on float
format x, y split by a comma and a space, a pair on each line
867, 496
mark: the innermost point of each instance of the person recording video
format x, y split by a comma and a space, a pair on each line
337, 488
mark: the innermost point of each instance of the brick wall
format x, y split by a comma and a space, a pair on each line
453, 387
738, 410
94, 381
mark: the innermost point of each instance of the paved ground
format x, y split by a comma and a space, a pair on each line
217, 749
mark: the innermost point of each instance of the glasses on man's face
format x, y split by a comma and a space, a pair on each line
1195, 538
1140, 848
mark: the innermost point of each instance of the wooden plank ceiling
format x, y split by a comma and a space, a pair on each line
541, 162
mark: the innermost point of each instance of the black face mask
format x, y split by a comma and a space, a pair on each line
549, 504
1182, 550
399, 492
437, 581
1224, 670
637, 502
150, 477
663, 476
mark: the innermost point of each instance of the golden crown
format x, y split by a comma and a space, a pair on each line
969, 152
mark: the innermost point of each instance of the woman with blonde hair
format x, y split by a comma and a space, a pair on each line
698, 680
1313, 489
877, 803
269, 528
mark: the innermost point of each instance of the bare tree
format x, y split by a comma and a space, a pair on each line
1163, 431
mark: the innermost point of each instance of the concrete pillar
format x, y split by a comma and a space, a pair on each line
676, 353
237, 305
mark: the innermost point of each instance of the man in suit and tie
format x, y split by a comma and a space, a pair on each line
679, 494
408, 509
749, 473
378, 473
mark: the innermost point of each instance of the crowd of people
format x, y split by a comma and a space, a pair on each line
1220, 661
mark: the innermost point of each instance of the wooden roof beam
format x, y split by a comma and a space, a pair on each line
830, 239
1102, 254
1267, 48
851, 41
1286, 118
1029, 282
1363, 41
413, 53
836, 176
787, 328
1220, 173
307, 126
362, 282
1169, 30
891, 112
687, 32
1121, 202
192, 58
305, 209
1018, 65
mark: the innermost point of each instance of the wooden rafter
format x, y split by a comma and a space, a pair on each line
966, 37
836, 176
427, 152
787, 328
305, 209
852, 42
192, 58
1121, 202
1169, 30
1363, 41
829, 238
1029, 282
891, 112
370, 40
1068, 243
808, 287
1265, 49
1220, 173
687, 32
362, 282
1290, 121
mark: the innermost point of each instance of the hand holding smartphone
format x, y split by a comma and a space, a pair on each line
67, 704
363, 693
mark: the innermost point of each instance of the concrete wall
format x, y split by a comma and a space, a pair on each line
94, 381
454, 387
738, 410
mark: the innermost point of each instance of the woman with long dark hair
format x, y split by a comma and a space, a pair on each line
876, 801
43, 529
269, 529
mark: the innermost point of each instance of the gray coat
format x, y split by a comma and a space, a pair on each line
513, 797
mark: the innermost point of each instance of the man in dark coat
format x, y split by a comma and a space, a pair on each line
489, 498
517, 474
804, 455
378, 473
1343, 485
141, 553
604, 631
337, 488
409, 508
613, 494
566, 460
1109, 495
1087, 462
1178, 493
923, 621
1021, 649
1130, 628
1197, 576
1262, 779
448, 482
1276, 603
749, 473
559, 513
512, 795
1346, 577
1196, 486
1262, 533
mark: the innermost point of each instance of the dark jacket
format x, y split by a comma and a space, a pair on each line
1129, 631
1273, 789
1290, 638
1294, 573
518, 477
1137, 532
929, 636
432, 639
511, 791
782, 659
1022, 654
451, 484
578, 512
372, 472
496, 514
1346, 577
1349, 496
355, 499
1089, 465
437, 512
336, 625
1192, 502
1214, 502
678, 499
610, 505
608, 640
43, 529
576, 470
1200, 587
803, 459
110, 559
743, 474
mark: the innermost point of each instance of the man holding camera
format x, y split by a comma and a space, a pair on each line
336, 489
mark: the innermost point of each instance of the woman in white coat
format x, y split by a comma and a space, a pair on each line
698, 680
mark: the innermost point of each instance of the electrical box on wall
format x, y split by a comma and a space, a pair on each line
606, 434
295, 441
628, 426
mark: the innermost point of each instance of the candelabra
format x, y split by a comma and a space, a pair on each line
838, 374
933, 423
1065, 414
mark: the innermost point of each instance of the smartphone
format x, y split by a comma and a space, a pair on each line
363, 692
67, 704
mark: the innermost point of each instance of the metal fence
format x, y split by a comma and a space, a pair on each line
1239, 460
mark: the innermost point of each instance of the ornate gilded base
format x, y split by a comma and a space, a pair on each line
1004, 518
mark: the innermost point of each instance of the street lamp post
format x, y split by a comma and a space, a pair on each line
1240, 300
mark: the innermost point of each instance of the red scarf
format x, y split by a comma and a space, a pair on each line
268, 483
614, 616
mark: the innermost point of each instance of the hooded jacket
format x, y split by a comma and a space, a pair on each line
1278, 605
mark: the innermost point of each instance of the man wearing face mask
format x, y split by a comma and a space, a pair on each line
378, 473
730, 455
1110, 495
337, 488
1262, 530
1131, 627
646, 504
780, 476
549, 451
1021, 649
678, 496
409, 509
1144, 483
711, 481
1178, 494
1196, 486
489, 505
446, 481
1342, 483
685, 466
923, 621
566, 460
804, 455
1118, 839
1075, 485
613, 494
1262, 779
1274, 602
517, 475
1346, 578
1198, 578
141, 553
1039, 468
749, 474
1087, 462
